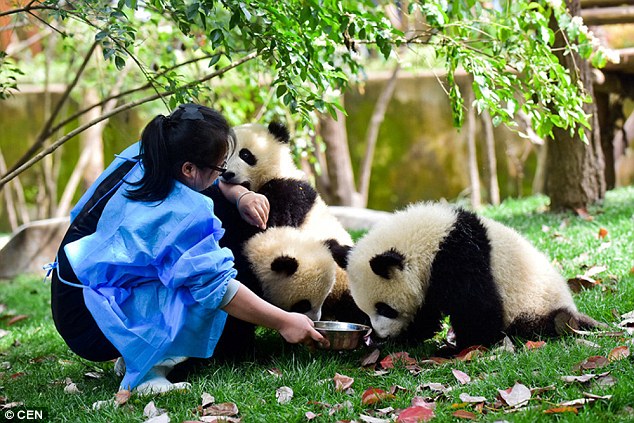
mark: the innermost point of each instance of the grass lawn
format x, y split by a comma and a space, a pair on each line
38, 370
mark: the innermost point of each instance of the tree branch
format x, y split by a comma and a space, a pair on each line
122, 94
46, 132
6, 178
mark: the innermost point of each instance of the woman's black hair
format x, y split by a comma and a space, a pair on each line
193, 133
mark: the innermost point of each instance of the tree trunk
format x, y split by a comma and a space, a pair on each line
378, 115
491, 160
575, 170
340, 189
474, 176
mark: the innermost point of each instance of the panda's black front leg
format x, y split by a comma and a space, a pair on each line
426, 323
477, 317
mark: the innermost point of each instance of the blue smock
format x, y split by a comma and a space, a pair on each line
154, 274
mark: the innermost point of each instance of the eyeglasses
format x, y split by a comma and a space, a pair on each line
220, 169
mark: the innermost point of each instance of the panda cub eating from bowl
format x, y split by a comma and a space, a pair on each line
433, 259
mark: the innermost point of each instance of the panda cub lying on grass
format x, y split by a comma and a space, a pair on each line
431, 260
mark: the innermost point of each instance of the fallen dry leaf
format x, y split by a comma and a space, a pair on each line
462, 377
533, 345
602, 233
516, 395
310, 415
594, 362
582, 379
16, 319
71, 388
619, 353
150, 410
399, 357
471, 399
98, 405
342, 382
594, 270
583, 213
539, 390
207, 399
610, 334
464, 414
383, 411
284, 394
470, 353
422, 402
371, 358
435, 360
415, 414
437, 387
580, 283
94, 375
161, 418
597, 397
122, 397
559, 410
394, 389
374, 395
605, 380
370, 419
220, 419
222, 409
275, 372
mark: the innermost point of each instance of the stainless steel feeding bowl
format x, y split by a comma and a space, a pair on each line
342, 335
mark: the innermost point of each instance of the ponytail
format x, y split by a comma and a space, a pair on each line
155, 184
191, 133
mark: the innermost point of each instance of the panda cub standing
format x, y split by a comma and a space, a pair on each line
431, 260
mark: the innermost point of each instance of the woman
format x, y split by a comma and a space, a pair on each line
140, 274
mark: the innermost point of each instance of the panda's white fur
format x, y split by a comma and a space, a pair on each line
273, 157
533, 296
292, 269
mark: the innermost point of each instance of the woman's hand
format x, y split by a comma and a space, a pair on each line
254, 208
299, 329
294, 327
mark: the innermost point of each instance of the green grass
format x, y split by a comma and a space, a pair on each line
35, 362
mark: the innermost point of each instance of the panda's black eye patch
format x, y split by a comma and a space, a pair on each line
247, 157
302, 306
385, 310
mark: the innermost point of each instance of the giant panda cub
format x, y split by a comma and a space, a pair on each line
295, 272
263, 163
431, 260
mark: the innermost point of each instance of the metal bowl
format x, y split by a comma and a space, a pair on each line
342, 335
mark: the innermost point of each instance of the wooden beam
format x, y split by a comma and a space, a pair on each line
605, 3
608, 15
616, 83
626, 64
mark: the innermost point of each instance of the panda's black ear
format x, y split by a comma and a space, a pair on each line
279, 131
284, 264
339, 252
383, 263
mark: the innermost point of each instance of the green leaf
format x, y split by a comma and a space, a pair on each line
214, 59
119, 62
